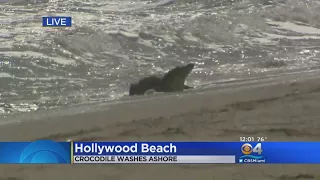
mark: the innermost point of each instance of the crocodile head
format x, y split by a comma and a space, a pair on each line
174, 80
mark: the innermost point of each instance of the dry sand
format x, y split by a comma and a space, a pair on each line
288, 111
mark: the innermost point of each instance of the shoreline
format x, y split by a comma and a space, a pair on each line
7, 118
283, 111
63, 127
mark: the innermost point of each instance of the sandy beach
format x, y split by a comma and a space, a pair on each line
284, 111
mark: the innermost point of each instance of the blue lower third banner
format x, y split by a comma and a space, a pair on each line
46, 151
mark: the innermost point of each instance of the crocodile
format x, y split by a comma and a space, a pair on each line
172, 81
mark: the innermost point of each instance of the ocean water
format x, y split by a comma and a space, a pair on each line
116, 42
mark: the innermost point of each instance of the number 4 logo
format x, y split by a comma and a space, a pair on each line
257, 148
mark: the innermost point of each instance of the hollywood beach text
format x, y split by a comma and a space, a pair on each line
138, 148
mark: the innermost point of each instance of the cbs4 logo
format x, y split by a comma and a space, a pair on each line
248, 149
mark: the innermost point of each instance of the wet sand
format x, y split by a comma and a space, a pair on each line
288, 111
